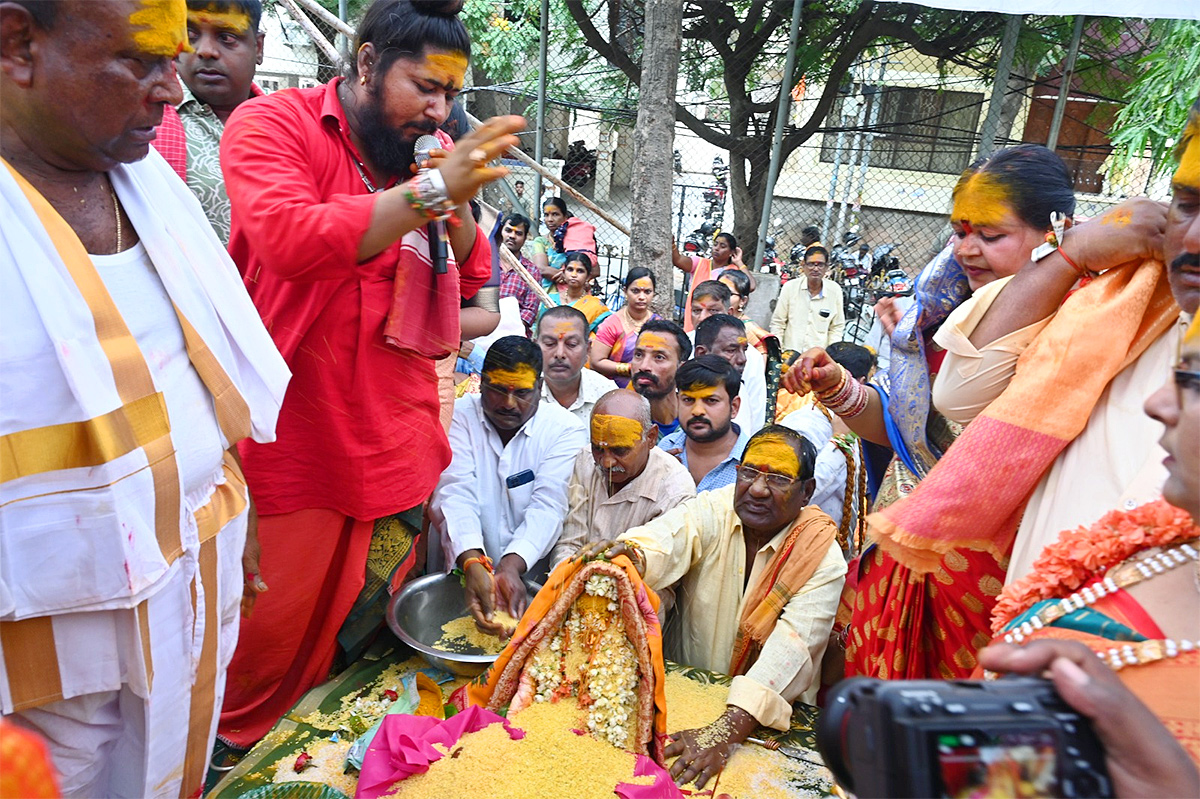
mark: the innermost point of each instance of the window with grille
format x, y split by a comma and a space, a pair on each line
922, 130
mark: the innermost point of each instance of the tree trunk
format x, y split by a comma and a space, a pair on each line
653, 145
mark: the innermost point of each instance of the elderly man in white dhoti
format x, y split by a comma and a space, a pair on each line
131, 362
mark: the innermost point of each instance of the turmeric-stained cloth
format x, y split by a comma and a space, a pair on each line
959, 522
27, 772
638, 612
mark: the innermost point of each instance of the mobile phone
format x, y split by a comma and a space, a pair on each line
519, 479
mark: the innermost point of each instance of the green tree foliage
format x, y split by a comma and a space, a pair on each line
1160, 95
733, 51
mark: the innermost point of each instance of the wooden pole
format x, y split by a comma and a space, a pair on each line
330, 51
653, 138
329, 19
568, 188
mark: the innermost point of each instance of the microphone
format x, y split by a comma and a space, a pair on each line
436, 229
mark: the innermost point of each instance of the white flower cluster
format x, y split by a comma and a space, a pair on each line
590, 655
545, 667
612, 684
602, 585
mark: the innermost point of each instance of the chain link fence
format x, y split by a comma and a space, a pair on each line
876, 170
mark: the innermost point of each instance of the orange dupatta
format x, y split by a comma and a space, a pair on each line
1002, 455
496, 687
785, 575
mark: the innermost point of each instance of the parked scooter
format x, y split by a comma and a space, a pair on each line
580, 165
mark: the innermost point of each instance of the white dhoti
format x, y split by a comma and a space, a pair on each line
124, 381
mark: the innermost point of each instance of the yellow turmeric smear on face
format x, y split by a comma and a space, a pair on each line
654, 341
563, 328
522, 376
160, 27
1188, 173
981, 201
449, 69
236, 21
643, 283
615, 431
772, 451
698, 391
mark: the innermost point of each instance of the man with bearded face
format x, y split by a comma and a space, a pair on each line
709, 442
329, 231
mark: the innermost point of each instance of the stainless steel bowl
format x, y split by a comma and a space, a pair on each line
417, 613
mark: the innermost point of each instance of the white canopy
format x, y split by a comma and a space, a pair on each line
1153, 9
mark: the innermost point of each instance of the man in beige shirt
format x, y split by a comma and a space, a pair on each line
809, 312
618, 484
760, 576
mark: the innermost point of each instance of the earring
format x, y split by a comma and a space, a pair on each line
362, 80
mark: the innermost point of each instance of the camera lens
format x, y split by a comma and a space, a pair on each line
833, 723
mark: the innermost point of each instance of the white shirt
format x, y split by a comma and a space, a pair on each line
798, 319
831, 467
752, 415
592, 386
473, 507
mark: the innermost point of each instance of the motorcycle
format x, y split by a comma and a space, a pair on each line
580, 164
771, 262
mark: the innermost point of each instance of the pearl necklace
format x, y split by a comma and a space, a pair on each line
1123, 576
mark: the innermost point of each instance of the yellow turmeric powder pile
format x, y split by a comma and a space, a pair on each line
461, 635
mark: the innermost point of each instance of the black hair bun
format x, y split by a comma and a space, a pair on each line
440, 8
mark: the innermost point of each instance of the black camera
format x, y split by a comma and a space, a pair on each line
916, 738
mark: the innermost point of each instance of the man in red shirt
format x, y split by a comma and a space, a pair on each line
334, 251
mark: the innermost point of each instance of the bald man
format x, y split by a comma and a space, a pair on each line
624, 480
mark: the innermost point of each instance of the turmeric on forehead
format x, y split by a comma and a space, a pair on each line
1188, 173
521, 376
981, 200
231, 18
655, 341
615, 431
160, 27
773, 451
449, 68
698, 390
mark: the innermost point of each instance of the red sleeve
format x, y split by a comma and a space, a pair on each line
171, 141
477, 269
270, 178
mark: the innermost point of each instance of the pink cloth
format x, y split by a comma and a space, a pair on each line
404, 745
663, 786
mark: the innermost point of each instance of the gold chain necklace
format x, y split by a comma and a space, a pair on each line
112, 192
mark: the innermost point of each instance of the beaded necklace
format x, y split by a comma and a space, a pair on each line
1123, 576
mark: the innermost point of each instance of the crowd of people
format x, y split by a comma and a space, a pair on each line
234, 356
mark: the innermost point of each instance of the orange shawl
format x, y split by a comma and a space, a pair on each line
974, 497
793, 566
639, 613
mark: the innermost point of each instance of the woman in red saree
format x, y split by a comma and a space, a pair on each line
926, 589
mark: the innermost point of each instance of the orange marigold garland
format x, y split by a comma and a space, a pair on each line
1085, 553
